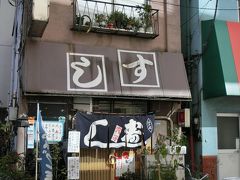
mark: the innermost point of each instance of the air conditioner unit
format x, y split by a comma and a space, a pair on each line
40, 16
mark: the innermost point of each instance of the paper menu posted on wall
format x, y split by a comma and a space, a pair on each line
73, 141
118, 166
54, 130
73, 167
30, 137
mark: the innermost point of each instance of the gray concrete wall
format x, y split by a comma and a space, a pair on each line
6, 24
61, 17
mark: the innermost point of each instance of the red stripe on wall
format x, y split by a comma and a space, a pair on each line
234, 33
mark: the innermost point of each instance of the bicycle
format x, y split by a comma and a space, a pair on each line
190, 174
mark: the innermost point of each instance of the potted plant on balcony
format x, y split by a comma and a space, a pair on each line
145, 16
110, 22
100, 20
133, 24
119, 19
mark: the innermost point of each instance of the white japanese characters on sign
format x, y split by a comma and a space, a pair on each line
138, 69
73, 142
86, 72
132, 131
73, 167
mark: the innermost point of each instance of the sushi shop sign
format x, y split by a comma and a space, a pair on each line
107, 131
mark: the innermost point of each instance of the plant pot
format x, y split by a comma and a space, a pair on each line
110, 25
149, 30
141, 29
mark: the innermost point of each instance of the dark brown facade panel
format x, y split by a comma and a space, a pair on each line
70, 69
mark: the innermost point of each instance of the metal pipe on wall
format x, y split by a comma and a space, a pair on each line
166, 118
165, 25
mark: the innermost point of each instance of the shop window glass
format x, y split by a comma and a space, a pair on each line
48, 111
228, 132
130, 107
120, 106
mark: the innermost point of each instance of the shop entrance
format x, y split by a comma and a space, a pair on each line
228, 145
101, 164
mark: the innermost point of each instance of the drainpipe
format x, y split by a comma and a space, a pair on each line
189, 72
14, 89
165, 24
16, 56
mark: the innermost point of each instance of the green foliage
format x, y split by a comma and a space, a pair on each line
8, 169
5, 134
144, 13
100, 19
9, 160
167, 162
119, 19
133, 23
59, 168
168, 173
129, 176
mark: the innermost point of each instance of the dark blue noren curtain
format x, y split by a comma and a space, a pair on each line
108, 131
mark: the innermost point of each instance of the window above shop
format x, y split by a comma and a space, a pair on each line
121, 17
49, 110
120, 106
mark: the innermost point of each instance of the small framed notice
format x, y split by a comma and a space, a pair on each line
73, 141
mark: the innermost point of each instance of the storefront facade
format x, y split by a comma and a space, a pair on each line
107, 89
221, 99
69, 72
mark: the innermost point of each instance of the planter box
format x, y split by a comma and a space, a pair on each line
174, 150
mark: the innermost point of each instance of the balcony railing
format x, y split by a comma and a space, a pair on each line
111, 18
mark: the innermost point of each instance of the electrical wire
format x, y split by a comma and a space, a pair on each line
216, 9
194, 7
188, 20
15, 3
189, 7
211, 30
200, 17
12, 2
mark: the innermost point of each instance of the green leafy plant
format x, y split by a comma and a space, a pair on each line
100, 19
59, 167
145, 16
5, 134
11, 163
166, 154
119, 19
8, 167
129, 176
133, 23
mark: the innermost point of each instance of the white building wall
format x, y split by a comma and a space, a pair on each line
6, 39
